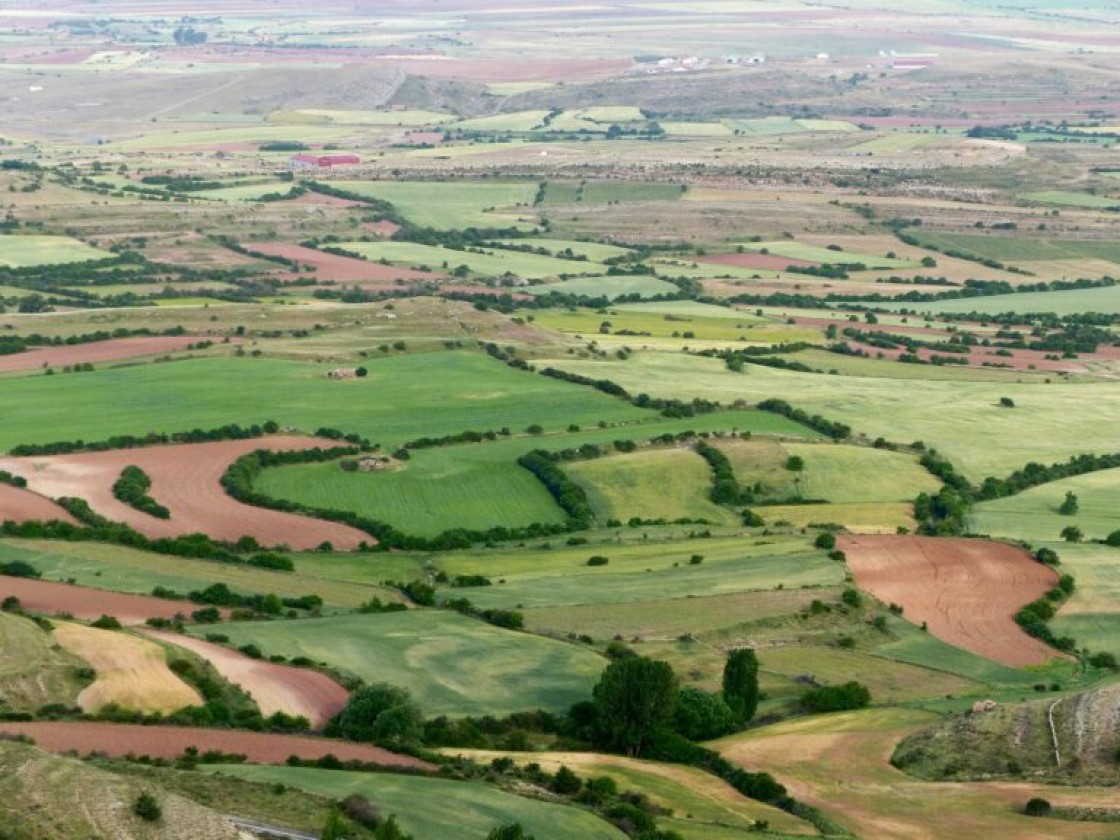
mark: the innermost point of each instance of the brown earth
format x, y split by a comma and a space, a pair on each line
172, 741
19, 505
275, 688
43, 596
339, 268
966, 591
186, 478
94, 352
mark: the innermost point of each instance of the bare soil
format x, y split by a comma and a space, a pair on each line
186, 478
19, 505
94, 352
966, 591
275, 688
171, 742
48, 597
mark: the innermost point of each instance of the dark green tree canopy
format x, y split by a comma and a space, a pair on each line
634, 698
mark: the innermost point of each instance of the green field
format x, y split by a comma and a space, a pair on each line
859, 474
696, 129
427, 807
800, 251
21, 251
657, 484
1019, 249
892, 143
605, 192
407, 117
659, 320
403, 398
123, 569
1105, 300
1033, 514
244, 192
448, 204
494, 262
516, 121
609, 287
1074, 199
594, 251
477, 485
452, 665
961, 419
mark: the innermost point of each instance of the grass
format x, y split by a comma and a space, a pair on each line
122, 569
476, 485
1033, 514
963, 420
859, 474
131, 672
702, 807
659, 320
1105, 300
407, 117
403, 397
892, 143
1066, 198
609, 287
800, 251
861, 518
436, 490
696, 129
605, 192
34, 671
1092, 615
494, 262
1019, 249
657, 484
451, 664
21, 251
516, 121
427, 807
448, 205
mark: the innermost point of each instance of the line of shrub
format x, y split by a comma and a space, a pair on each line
132, 488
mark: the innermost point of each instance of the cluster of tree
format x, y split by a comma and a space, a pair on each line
186, 184
667, 407
132, 488
232, 431
1034, 616
1034, 474
570, 496
14, 480
828, 428
725, 489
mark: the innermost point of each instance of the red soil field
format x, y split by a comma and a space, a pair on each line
186, 478
172, 741
771, 262
275, 688
341, 269
19, 505
89, 604
95, 352
967, 591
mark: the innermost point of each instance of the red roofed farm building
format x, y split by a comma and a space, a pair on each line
323, 161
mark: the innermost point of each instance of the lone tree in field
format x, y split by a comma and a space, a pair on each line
740, 683
633, 699
147, 808
1069, 506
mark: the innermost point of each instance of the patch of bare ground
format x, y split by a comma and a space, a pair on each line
186, 478
43, 596
19, 505
172, 741
965, 591
300, 692
94, 352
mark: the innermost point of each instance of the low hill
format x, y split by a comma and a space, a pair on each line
43, 797
1016, 741
34, 671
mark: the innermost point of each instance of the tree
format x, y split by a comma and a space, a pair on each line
740, 683
390, 830
795, 463
335, 826
1007, 402
1071, 533
147, 807
382, 714
1037, 807
701, 716
634, 698
837, 698
1069, 506
826, 541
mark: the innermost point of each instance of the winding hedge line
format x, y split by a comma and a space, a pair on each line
231, 431
828, 428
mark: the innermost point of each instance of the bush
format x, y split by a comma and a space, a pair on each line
837, 698
825, 541
1037, 807
106, 622
597, 560
381, 714
147, 807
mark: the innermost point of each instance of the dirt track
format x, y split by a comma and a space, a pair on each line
21, 505
967, 591
276, 688
171, 741
95, 352
186, 478
51, 598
